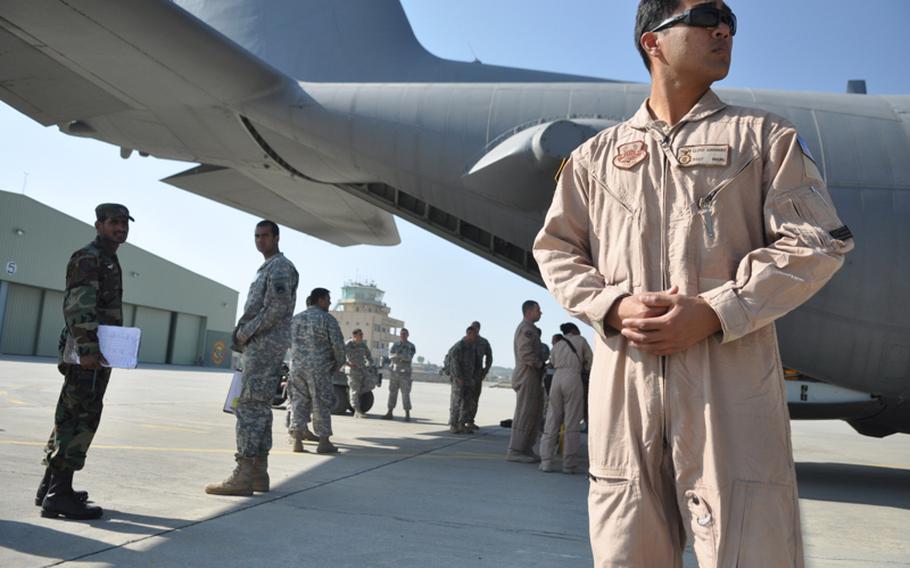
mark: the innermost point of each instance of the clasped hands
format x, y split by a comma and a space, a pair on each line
663, 323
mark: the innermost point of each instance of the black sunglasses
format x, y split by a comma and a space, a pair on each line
702, 16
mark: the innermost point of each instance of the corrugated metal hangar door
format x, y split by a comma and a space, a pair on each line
20, 320
187, 333
156, 326
51, 324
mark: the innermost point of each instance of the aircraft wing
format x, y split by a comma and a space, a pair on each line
146, 75
321, 210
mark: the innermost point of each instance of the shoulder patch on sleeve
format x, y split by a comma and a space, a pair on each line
562, 166
804, 147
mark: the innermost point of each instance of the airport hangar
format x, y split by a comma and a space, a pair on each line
186, 319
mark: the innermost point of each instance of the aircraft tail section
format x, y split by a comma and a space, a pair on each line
354, 41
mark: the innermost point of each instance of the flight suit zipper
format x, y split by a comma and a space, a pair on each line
664, 275
706, 202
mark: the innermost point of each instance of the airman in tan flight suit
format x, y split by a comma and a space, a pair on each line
681, 235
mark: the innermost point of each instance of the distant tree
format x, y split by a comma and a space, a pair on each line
420, 359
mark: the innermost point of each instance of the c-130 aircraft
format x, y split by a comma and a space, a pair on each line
333, 142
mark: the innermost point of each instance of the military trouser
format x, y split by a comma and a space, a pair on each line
356, 381
528, 409
461, 401
262, 360
400, 379
311, 394
565, 407
475, 400
76, 418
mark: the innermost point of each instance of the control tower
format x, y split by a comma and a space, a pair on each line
361, 306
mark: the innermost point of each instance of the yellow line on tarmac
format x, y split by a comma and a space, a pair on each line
11, 399
173, 428
365, 454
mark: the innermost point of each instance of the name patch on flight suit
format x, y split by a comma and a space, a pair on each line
706, 155
631, 154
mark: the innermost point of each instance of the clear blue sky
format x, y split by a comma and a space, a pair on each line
437, 288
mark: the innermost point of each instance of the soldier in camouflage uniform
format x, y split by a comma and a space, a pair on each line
464, 367
263, 335
317, 352
402, 352
485, 352
359, 360
93, 297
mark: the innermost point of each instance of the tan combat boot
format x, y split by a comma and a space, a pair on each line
296, 439
326, 447
308, 436
239, 483
260, 475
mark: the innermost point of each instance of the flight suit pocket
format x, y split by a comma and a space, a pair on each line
614, 508
819, 221
619, 227
703, 525
763, 528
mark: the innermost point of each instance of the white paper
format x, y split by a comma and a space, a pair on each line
119, 345
230, 403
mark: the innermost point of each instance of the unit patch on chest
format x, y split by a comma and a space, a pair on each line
631, 154
705, 155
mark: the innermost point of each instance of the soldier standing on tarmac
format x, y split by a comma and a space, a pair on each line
93, 297
526, 381
359, 360
402, 352
263, 335
485, 352
317, 352
464, 364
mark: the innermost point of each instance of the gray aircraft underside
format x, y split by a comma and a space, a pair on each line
330, 118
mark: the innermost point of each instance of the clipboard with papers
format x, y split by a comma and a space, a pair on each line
119, 345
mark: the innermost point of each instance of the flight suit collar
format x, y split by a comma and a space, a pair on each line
706, 106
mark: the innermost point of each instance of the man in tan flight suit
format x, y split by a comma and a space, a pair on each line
680, 235
526, 382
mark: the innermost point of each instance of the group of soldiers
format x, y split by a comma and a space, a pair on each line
263, 335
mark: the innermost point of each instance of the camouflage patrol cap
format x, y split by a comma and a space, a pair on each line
111, 210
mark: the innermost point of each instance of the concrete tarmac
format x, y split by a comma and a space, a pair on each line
399, 494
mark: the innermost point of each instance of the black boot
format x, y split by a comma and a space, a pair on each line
45, 483
61, 501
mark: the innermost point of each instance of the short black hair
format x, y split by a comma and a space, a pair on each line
569, 327
317, 294
470, 329
527, 306
404, 329
357, 331
270, 224
475, 324
650, 14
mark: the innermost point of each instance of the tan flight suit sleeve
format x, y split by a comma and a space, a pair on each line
806, 244
563, 253
528, 348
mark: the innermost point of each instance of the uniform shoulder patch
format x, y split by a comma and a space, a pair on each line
630, 154
804, 147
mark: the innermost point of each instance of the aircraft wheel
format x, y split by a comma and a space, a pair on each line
366, 401
341, 400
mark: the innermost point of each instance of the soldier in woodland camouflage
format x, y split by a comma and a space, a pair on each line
464, 367
359, 360
317, 352
485, 352
263, 335
402, 352
93, 297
